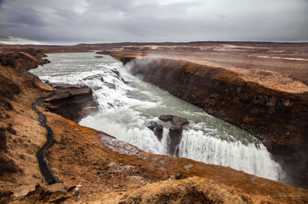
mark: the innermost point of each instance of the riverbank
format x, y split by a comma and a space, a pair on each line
96, 168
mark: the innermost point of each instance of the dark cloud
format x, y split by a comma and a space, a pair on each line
1, 3
155, 20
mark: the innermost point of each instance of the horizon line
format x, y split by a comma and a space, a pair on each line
145, 42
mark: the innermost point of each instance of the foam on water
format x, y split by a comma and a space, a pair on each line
249, 158
126, 104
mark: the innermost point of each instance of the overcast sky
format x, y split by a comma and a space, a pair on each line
72, 21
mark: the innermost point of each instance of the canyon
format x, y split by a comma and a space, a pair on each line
91, 166
266, 102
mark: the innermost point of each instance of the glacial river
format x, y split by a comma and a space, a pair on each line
127, 104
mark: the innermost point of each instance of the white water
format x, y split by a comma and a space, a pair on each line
125, 109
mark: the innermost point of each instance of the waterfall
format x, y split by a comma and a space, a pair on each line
249, 158
126, 104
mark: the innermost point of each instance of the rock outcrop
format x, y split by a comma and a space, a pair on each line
23, 60
174, 125
71, 101
175, 132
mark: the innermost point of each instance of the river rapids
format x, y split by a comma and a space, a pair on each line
127, 105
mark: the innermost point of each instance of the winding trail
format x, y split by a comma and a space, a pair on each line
46, 172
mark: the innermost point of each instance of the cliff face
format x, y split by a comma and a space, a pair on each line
92, 167
71, 101
17, 121
24, 59
272, 106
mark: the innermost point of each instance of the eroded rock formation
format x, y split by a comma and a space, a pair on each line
175, 132
71, 101
23, 60
174, 125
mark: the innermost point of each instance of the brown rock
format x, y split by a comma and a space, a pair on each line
7, 166
71, 101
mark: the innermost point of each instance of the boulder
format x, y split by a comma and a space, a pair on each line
156, 128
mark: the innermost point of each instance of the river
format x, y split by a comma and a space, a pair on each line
127, 105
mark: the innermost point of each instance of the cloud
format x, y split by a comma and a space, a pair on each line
1, 3
155, 20
21, 41
81, 7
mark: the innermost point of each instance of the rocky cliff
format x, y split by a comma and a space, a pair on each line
270, 105
91, 167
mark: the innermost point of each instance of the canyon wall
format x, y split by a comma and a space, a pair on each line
273, 107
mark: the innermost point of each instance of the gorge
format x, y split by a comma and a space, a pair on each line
126, 105
100, 165
266, 103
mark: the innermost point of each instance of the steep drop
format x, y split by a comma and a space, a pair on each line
127, 104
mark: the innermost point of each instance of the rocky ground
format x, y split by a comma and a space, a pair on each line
92, 167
